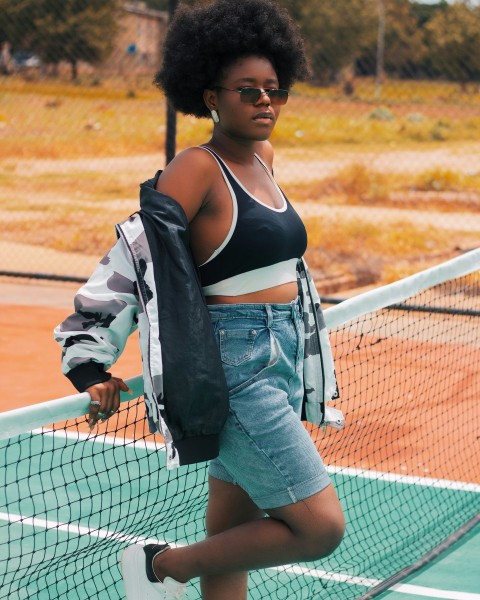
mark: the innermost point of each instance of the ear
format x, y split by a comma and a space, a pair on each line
210, 99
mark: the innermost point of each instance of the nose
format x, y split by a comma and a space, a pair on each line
264, 98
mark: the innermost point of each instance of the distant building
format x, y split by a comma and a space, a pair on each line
138, 46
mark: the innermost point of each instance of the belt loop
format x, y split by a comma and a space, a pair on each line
268, 310
274, 348
295, 308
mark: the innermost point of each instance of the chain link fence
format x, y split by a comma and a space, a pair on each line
380, 153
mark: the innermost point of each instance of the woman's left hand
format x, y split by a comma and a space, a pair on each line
105, 399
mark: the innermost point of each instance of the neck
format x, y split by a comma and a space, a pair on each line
239, 151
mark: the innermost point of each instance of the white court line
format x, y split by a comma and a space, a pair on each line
76, 436
123, 537
345, 471
327, 575
65, 527
420, 590
407, 479
293, 569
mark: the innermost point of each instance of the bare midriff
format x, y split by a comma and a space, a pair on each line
281, 294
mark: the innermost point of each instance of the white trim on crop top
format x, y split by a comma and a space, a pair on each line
256, 280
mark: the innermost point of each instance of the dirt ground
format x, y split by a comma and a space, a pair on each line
291, 165
30, 369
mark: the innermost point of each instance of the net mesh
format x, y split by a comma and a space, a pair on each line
405, 467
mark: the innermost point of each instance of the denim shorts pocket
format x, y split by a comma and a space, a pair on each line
245, 352
236, 345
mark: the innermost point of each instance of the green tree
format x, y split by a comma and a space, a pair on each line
425, 12
335, 31
404, 40
75, 30
69, 30
158, 4
16, 21
453, 38
294, 8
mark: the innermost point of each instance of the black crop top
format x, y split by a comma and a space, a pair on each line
262, 247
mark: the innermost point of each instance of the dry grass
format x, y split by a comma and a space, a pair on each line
60, 120
437, 188
367, 253
447, 180
75, 188
74, 209
396, 92
364, 252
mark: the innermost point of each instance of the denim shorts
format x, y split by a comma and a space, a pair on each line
264, 447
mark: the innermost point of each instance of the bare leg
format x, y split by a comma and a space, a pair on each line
304, 531
228, 507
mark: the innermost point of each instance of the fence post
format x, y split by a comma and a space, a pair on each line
171, 135
380, 68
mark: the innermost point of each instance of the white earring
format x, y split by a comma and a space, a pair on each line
215, 117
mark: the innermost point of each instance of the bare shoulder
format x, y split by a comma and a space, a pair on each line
265, 152
188, 179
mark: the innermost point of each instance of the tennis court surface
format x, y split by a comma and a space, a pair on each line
453, 575
406, 466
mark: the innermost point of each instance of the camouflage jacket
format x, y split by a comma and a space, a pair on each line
149, 280
319, 379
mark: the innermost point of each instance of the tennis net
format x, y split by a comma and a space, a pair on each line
405, 466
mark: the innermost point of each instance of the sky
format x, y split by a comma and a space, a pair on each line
474, 2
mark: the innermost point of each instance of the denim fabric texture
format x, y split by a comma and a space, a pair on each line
264, 447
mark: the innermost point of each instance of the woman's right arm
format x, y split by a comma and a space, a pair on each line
94, 336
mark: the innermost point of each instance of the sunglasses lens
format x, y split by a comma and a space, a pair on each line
253, 95
278, 96
250, 95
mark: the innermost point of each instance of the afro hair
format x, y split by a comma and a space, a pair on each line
203, 41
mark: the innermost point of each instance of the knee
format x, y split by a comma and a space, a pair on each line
336, 531
324, 538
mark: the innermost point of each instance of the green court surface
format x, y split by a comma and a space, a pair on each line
70, 507
454, 575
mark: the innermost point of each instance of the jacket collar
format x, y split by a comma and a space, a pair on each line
159, 204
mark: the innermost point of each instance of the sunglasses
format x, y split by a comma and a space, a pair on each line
251, 95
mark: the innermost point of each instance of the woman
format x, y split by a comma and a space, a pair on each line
270, 499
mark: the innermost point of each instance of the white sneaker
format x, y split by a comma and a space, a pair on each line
140, 582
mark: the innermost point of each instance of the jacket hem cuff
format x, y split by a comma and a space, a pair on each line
197, 449
87, 374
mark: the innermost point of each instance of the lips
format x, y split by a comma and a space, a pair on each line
263, 116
